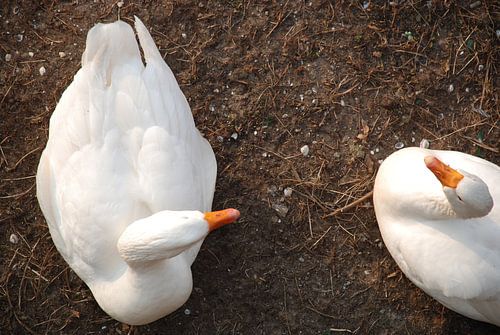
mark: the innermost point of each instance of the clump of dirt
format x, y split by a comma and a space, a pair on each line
352, 80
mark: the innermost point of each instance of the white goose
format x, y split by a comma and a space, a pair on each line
442, 226
126, 180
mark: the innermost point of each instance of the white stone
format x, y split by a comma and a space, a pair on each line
281, 209
424, 144
13, 239
305, 150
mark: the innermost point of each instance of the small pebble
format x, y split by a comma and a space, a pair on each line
187, 311
62, 54
220, 139
480, 67
13, 239
342, 102
475, 4
234, 136
281, 209
183, 35
42, 71
8, 57
119, 4
467, 90
346, 285
305, 150
19, 37
399, 145
31, 54
288, 192
212, 108
301, 259
424, 144
451, 88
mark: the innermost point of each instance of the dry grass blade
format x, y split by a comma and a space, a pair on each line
350, 205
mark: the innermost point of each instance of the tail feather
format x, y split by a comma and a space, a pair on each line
148, 46
110, 48
170, 106
114, 91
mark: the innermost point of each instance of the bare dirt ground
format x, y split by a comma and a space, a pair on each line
350, 79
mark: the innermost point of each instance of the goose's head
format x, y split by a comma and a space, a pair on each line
467, 194
166, 234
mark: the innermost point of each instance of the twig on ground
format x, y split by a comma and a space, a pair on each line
350, 205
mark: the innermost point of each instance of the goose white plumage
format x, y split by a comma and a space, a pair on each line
126, 181
442, 226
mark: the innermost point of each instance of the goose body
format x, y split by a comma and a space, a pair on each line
445, 239
125, 178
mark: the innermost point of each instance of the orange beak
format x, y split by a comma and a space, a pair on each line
446, 175
221, 218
